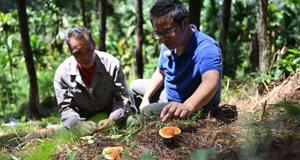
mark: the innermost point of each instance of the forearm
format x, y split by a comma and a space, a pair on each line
119, 112
155, 84
69, 118
204, 93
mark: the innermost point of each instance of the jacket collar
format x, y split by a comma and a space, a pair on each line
99, 68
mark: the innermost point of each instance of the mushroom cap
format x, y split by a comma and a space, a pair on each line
112, 152
169, 131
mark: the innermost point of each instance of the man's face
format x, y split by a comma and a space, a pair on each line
170, 33
83, 51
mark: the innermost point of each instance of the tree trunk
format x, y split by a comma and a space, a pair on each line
262, 35
102, 28
255, 51
34, 92
139, 38
83, 13
194, 12
254, 44
224, 28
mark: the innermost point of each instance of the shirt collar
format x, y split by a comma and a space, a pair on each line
192, 43
74, 69
90, 70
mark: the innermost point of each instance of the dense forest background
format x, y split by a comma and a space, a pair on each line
48, 19
259, 114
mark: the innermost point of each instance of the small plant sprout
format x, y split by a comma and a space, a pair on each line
170, 132
112, 152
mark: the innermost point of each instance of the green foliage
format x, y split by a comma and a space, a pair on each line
47, 26
237, 90
47, 57
288, 64
292, 109
197, 115
120, 39
9, 60
7, 156
52, 120
203, 154
241, 60
147, 156
48, 20
211, 20
255, 143
72, 155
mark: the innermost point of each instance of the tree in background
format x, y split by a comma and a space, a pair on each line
34, 93
194, 12
83, 13
102, 27
86, 15
47, 20
139, 38
224, 28
254, 58
263, 37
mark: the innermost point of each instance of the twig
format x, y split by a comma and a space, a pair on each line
266, 86
263, 113
7, 146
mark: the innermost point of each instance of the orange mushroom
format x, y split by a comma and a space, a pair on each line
170, 131
112, 152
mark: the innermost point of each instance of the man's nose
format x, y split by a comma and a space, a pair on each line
86, 56
163, 38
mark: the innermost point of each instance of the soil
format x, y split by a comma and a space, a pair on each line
236, 131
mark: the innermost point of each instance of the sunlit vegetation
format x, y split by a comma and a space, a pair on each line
256, 118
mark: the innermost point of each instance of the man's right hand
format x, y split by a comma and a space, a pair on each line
144, 103
86, 128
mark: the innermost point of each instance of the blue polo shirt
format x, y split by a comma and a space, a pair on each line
183, 73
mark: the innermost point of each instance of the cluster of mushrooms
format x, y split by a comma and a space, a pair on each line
166, 132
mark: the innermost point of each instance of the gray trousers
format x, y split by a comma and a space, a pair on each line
137, 90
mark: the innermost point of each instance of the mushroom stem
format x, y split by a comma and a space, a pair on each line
116, 155
174, 140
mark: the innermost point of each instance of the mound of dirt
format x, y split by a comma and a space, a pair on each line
288, 90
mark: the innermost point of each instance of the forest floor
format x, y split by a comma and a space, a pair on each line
247, 126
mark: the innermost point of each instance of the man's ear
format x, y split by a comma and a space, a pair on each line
69, 50
94, 43
185, 24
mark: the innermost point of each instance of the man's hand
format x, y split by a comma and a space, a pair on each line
175, 110
86, 128
144, 103
105, 123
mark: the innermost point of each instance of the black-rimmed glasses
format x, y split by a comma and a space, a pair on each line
167, 33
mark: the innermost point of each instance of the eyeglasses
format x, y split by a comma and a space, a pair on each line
167, 33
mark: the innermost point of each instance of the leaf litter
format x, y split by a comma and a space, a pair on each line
236, 131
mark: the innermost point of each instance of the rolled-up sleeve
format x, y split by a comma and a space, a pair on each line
65, 103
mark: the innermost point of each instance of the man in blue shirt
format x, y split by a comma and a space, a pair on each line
188, 76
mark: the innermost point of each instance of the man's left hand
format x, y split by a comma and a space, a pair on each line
175, 110
86, 128
105, 123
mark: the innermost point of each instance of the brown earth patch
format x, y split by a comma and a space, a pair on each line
236, 131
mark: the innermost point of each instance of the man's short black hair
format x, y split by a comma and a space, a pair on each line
165, 8
78, 33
